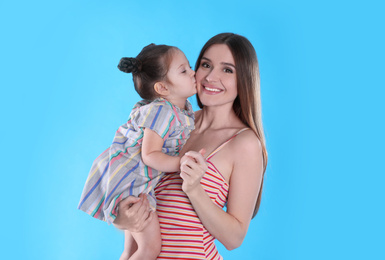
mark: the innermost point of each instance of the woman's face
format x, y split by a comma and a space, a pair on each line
216, 76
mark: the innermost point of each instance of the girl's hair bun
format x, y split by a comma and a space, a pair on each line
129, 65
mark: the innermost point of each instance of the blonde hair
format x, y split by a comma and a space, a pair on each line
247, 104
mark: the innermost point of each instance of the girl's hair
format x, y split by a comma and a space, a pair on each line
150, 66
247, 104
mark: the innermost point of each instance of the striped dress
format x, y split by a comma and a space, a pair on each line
120, 172
183, 234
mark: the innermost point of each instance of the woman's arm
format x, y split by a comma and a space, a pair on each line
229, 227
153, 156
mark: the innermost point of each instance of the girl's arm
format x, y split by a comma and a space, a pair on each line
229, 227
153, 156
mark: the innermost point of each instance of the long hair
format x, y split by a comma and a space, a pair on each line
247, 105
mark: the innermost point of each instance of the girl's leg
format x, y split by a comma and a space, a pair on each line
149, 241
130, 246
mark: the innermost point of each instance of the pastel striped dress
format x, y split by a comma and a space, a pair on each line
183, 234
120, 172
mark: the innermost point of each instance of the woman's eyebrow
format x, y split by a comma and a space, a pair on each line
228, 64
223, 63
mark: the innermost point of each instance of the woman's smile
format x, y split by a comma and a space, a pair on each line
211, 89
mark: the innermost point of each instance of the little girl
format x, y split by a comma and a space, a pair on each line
147, 145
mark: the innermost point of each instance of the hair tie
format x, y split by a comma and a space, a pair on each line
129, 65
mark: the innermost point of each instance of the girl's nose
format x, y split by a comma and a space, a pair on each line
192, 73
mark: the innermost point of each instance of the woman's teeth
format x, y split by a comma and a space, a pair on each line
212, 89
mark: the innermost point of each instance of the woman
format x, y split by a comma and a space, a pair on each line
223, 164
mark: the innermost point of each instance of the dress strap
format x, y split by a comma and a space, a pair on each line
221, 146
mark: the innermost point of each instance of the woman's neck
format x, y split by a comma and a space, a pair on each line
214, 118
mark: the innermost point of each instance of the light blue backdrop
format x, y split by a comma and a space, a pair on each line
322, 77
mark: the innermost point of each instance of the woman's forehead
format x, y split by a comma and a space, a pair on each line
219, 53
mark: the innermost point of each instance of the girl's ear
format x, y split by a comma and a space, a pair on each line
161, 88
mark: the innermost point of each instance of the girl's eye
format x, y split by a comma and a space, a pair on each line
227, 70
184, 71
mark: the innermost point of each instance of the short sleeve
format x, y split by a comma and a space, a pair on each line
157, 116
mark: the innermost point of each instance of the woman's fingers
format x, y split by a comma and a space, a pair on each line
138, 208
193, 167
148, 219
144, 213
188, 165
197, 156
140, 211
133, 213
128, 202
197, 161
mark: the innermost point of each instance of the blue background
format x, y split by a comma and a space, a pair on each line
322, 77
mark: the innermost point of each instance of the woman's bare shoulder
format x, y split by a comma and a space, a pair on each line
247, 157
247, 142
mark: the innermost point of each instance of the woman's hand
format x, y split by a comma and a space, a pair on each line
192, 168
133, 213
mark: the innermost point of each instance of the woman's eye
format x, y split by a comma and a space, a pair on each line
227, 70
205, 65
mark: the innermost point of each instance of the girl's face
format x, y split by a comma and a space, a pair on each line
180, 76
216, 76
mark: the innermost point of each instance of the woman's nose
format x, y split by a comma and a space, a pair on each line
211, 75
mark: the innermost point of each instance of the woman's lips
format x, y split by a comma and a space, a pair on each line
211, 90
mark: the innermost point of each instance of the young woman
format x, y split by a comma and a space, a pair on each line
223, 164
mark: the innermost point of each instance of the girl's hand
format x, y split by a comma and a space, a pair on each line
133, 213
192, 168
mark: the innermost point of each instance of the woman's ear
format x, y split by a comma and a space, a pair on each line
161, 88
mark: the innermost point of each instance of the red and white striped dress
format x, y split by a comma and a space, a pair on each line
183, 234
